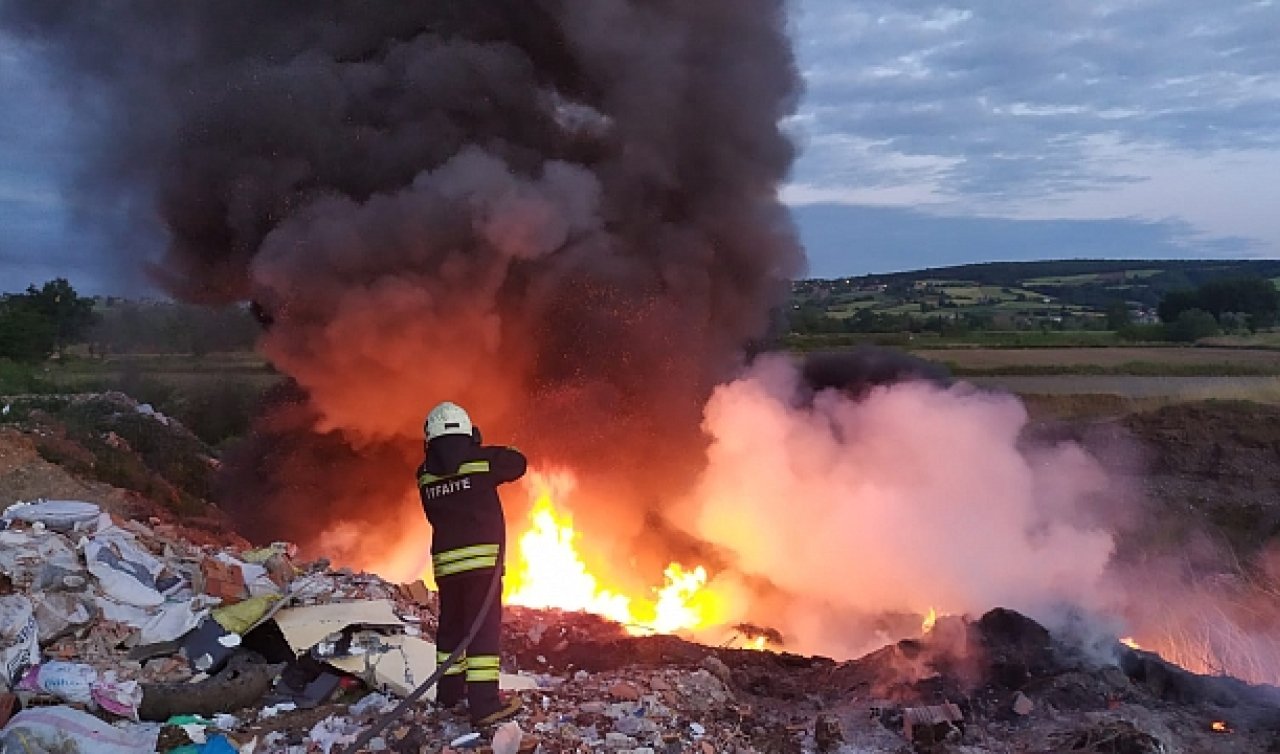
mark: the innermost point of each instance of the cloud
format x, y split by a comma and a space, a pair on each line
1004, 109
1035, 80
46, 234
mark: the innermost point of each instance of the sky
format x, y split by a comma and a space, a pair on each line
930, 134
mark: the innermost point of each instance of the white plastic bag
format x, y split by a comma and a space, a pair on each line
122, 698
108, 557
69, 681
173, 621
18, 634
506, 739
333, 732
70, 731
58, 515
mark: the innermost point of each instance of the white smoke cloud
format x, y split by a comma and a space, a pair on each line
913, 497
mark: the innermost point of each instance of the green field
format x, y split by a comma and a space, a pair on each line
177, 370
1095, 277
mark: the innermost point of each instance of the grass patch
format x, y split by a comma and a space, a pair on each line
1042, 406
1090, 277
1268, 340
977, 339
1030, 339
1099, 405
1135, 368
838, 341
22, 379
217, 363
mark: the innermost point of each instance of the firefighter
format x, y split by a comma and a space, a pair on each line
458, 483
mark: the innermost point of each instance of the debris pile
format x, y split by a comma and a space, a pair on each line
114, 632
122, 636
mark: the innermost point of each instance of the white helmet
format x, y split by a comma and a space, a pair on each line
447, 419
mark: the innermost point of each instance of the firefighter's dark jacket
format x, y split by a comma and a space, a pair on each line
458, 483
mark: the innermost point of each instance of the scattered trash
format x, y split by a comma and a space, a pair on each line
223, 580
120, 698
70, 731
69, 681
146, 409
124, 572
465, 741
305, 627
372, 704
18, 645
8, 705
827, 733
216, 744
332, 732
57, 515
207, 648
241, 616
60, 613
271, 711
1022, 704
506, 739
173, 621
926, 726
243, 682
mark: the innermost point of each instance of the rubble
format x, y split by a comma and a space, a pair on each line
827, 733
928, 726
126, 634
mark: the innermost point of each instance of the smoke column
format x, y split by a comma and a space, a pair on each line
561, 213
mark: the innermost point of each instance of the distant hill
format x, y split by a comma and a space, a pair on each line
1020, 293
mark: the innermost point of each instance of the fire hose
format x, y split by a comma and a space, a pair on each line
381, 724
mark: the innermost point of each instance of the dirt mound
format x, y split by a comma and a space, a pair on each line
25, 475
107, 449
1214, 465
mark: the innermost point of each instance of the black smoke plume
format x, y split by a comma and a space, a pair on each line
560, 213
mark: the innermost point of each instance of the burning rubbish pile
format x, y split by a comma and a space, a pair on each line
565, 214
119, 636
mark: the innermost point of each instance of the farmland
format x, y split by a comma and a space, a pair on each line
1064, 296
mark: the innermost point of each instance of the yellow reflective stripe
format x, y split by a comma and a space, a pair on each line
457, 668
483, 661
482, 676
470, 564
465, 552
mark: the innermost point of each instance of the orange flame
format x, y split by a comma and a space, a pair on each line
1130, 642
929, 622
1220, 726
547, 571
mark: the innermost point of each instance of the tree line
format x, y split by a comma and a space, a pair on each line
36, 324
1232, 305
53, 318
